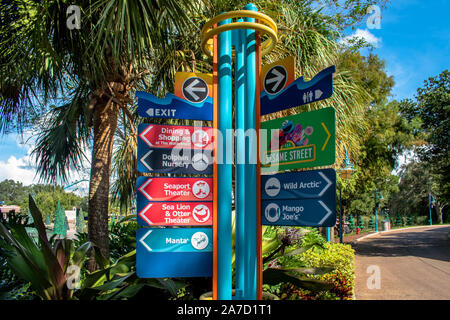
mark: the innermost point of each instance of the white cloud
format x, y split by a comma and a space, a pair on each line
364, 35
18, 169
22, 168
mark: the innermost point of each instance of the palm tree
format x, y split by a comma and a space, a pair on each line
304, 33
87, 74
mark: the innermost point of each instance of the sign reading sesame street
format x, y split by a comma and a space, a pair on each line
299, 141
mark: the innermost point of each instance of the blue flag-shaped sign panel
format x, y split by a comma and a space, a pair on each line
173, 107
299, 92
168, 252
299, 185
178, 161
305, 213
303, 198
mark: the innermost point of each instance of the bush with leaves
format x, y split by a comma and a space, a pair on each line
283, 266
340, 257
49, 266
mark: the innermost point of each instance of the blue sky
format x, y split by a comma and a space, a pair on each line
414, 39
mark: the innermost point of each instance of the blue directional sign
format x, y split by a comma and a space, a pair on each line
303, 198
173, 107
180, 252
306, 212
185, 161
299, 92
299, 185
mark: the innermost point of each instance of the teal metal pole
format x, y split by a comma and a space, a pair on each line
328, 234
224, 183
250, 167
429, 206
239, 200
376, 214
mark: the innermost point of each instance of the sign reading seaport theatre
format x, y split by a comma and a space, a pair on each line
299, 141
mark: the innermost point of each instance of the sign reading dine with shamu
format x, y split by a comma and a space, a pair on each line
303, 140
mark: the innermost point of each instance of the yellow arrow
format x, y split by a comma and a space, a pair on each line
328, 138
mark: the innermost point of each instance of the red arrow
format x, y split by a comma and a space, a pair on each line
176, 189
177, 214
170, 136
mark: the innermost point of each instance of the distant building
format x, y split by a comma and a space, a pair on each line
5, 209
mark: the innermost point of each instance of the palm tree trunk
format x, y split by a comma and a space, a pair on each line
104, 122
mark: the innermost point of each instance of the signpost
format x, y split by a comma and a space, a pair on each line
302, 140
175, 201
169, 252
306, 140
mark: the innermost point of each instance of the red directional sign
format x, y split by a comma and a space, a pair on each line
171, 136
175, 189
177, 213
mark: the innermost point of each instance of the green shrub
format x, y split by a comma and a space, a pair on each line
341, 258
422, 220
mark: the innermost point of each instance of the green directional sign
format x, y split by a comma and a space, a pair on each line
304, 140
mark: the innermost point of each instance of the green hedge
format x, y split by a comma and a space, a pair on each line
342, 258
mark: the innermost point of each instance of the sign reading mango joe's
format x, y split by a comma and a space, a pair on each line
299, 141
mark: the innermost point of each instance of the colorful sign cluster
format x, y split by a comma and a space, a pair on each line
182, 202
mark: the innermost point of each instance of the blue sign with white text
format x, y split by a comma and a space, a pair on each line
299, 185
302, 198
174, 252
300, 213
173, 107
299, 92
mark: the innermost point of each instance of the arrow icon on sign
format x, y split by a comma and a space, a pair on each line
191, 89
143, 136
279, 77
329, 212
144, 162
144, 211
142, 189
143, 241
329, 183
317, 94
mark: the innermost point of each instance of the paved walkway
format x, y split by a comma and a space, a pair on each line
411, 264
